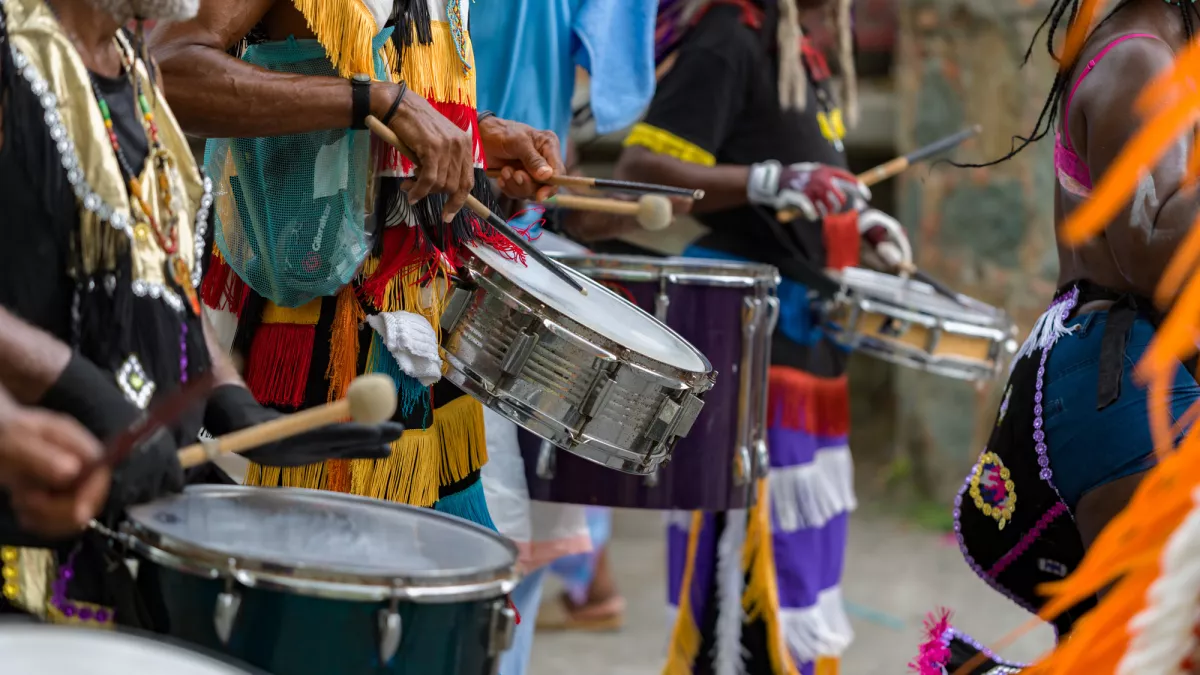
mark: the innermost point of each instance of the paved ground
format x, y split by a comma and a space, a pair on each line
895, 575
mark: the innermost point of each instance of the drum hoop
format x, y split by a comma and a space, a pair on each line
324, 582
675, 270
174, 645
497, 282
995, 319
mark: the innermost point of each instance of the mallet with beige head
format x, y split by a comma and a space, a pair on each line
653, 212
370, 399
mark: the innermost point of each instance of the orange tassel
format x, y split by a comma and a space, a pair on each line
343, 343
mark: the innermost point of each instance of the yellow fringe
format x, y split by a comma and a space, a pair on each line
345, 28
761, 597
304, 315
421, 461
666, 143
435, 72
827, 665
685, 636
343, 343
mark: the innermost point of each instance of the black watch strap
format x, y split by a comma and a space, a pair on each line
360, 92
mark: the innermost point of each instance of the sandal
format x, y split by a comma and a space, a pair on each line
605, 616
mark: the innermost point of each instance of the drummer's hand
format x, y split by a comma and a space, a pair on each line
887, 243
41, 456
444, 153
232, 408
526, 157
592, 226
816, 190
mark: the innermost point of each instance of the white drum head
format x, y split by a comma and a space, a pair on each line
600, 310
35, 649
917, 296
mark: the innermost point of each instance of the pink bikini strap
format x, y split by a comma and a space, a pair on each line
1088, 69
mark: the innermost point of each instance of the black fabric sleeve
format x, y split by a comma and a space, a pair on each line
706, 89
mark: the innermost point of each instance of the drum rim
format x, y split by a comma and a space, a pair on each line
135, 636
699, 381
997, 319
318, 581
691, 271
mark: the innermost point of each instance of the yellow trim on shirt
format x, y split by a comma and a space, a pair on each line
667, 143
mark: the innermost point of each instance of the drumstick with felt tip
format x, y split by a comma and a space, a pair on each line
653, 212
381, 130
895, 167
614, 185
370, 399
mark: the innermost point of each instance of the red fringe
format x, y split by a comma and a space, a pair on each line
401, 248
841, 240
277, 367
805, 402
498, 241
222, 289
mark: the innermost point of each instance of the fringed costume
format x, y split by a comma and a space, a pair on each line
758, 591
320, 253
103, 259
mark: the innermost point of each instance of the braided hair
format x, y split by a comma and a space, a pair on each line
1060, 16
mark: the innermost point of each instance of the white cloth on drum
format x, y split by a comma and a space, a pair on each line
543, 532
413, 343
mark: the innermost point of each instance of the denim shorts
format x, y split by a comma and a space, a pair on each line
1089, 447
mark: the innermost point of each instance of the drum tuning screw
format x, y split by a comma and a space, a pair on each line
390, 632
503, 626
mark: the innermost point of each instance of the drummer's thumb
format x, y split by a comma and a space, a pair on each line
535, 164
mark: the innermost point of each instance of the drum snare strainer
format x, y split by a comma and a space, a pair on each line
593, 373
909, 323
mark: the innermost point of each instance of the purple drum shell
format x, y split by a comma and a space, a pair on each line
700, 475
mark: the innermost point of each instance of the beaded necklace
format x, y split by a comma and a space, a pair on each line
164, 167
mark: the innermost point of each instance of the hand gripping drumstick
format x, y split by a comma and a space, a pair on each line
653, 212
370, 399
381, 130
615, 185
895, 167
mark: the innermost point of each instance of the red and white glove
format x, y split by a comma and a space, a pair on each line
816, 190
887, 238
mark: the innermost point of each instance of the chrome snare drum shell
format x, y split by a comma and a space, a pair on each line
593, 374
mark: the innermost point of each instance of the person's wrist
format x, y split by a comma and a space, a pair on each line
383, 94
763, 185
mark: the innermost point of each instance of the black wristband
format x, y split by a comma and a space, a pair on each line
90, 395
395, 104
483, 115
360, 100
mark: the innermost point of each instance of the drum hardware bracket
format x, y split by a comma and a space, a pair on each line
662, 300
546, 460
500, 631
651, 478
743, 466
520, 350
456, 307
391, 630
600, 395
225, 614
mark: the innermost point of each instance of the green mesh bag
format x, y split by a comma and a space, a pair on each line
291, 210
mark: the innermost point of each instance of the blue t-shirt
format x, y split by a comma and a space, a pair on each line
526, 53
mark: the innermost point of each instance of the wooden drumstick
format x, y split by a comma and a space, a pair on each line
615, 185
897, 166
653, 212
370, 399
381, 130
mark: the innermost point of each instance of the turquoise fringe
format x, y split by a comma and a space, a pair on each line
468, 504
412, 392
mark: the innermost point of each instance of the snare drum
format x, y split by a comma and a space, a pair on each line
40, 649
306, 582
591, 372
907, 322
727, 310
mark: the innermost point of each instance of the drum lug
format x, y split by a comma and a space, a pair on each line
743, 467
391, 630
762, 458
456, 307
545, 461
518, 353
225, 614
662, 301
651, 479
689, 410
501, 631
599, 396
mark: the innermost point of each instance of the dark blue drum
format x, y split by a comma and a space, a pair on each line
305, 582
